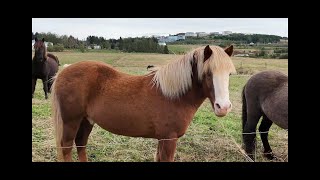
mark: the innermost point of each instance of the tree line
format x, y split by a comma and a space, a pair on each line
255, 38
235, 38
149, 45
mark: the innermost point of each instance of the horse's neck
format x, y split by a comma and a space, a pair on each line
194, 97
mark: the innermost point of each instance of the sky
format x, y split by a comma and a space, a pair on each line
136, 27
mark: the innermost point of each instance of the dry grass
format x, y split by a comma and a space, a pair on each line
207, 139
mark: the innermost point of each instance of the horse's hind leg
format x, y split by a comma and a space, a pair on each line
70, 130
82, 139
166, 150
263, 129
249, 132
34, 82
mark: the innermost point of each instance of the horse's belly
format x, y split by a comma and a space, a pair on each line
277, 113
124, 124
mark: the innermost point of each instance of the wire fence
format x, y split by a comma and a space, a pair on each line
240, 150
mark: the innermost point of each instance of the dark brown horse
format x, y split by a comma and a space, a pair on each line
265, 95
158, 105
44, 67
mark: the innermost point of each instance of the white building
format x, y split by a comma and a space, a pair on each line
202, 34
48, 43
96, 47
172, 38
162, 43
215, 33
190, 34
226, 32
181, 36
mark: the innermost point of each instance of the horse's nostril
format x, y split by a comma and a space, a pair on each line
218, 105
230, 105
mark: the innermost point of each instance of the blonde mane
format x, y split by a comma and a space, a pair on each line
175, 78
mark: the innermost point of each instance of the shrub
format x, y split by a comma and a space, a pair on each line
283, 56
82, 48
55, 48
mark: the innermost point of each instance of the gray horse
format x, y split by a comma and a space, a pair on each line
266, 95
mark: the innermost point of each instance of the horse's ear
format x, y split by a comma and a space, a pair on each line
207, 53
36, 39
229, 50
42, 39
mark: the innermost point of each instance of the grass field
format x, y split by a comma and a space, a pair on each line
208, 138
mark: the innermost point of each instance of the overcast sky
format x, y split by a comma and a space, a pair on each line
133, 27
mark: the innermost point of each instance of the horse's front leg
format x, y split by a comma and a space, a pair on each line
166, 150
45, 86
34, 82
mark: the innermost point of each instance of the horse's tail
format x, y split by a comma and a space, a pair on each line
57, 120
244, 108
58, 61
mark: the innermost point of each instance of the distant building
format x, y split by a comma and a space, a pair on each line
172, 38
202, 34
48, 43
94, 46
215, 33
181, 36
241, 55
283, 40
162, 43
226, 32
190, 34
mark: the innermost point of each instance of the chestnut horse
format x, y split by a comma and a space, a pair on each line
44, 66
158, 105
264, 95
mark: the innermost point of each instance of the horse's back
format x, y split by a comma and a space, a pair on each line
265, 82
82, 85
85, 77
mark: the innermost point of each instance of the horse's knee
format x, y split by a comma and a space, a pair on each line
166, 150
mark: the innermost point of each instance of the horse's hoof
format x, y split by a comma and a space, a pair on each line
270, 156
46, 97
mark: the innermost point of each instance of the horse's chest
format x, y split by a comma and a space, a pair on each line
39, 71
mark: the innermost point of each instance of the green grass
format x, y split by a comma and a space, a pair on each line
208, 138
